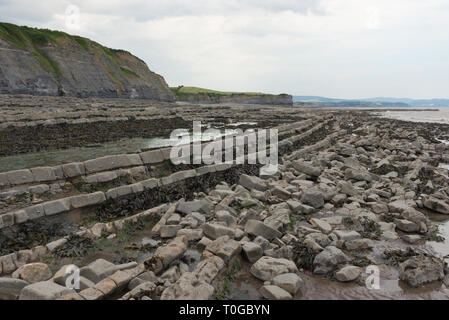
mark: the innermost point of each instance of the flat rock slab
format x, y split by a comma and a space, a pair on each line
10, 288
258, 228
271, 292
46, 290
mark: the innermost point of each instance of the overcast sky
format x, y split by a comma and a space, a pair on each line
333, 48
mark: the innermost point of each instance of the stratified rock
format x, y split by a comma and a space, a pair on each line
76, 69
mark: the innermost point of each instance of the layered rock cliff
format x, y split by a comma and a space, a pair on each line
282, 99
200, 95
45, 62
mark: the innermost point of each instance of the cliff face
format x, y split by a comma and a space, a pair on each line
201, 95
282, 99
44, 62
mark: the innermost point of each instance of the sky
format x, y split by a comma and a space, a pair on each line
332, 48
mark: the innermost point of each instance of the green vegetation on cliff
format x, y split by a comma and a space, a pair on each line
47, 62
34, 40
185, 91
201, 95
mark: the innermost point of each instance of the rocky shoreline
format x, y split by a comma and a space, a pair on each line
353, 192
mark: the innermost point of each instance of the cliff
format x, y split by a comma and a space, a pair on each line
45, 62
200, 95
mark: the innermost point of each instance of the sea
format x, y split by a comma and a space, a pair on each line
437, 115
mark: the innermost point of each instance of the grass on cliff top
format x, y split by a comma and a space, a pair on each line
181, 90
23, 36
34, 40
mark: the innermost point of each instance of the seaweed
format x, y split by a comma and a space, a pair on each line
303, 255
76, 246
397, 256
30, 234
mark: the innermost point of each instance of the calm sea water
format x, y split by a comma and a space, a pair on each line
440, 116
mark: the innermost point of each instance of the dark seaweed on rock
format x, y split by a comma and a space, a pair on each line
134, 203
15, 140
76, 246
29, 234
303, 255
397, 256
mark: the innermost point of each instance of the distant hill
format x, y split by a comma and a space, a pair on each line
371, 102
47, 62
414, 102
201, 95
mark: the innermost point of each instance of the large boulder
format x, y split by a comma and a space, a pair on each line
266, 268
328, 260
313, 197
10, 288
252, 182
33, 272
437, 205
421, 269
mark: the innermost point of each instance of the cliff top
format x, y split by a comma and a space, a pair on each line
33, 39
183, 91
